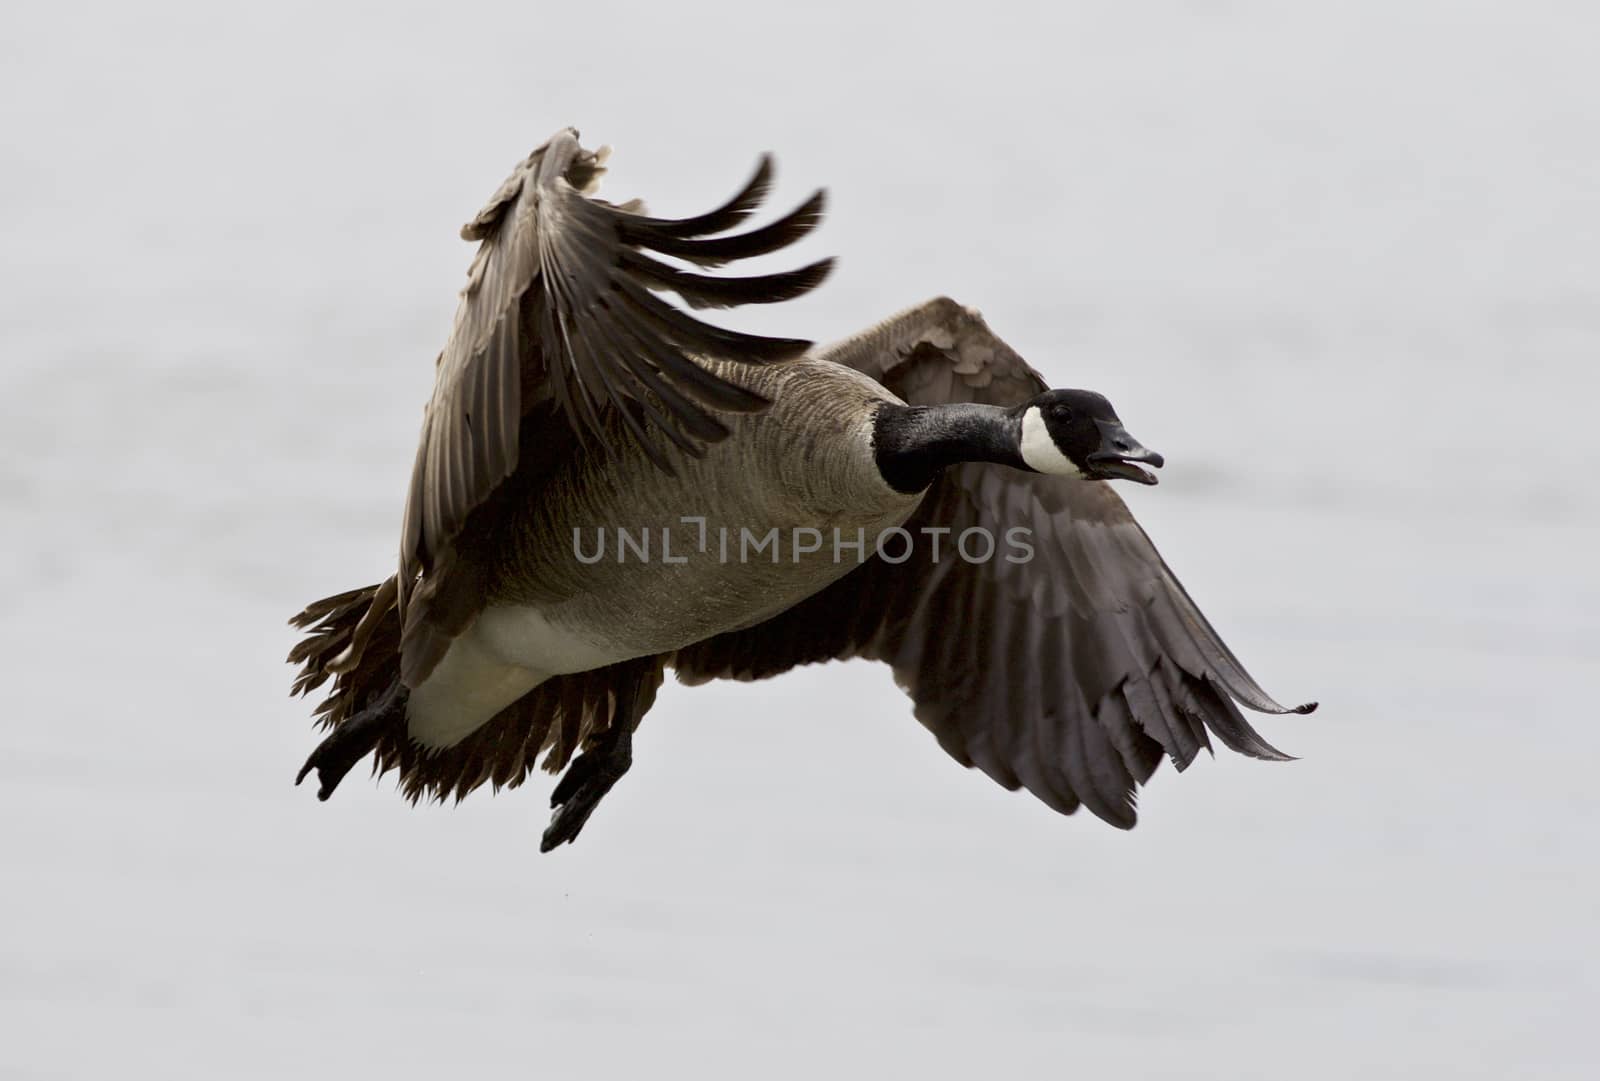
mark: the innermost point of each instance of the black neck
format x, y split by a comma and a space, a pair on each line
912, 443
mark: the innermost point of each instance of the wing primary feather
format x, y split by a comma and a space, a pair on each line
714, 252
1224, 719
704, 291
698, 337
1217, 655
723, 218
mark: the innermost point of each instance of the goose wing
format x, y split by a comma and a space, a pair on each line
561, 308
1071, 674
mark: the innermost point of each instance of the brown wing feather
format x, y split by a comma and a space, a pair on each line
1087, 664
560, 306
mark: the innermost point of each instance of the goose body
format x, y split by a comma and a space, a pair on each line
674, 561
607, 487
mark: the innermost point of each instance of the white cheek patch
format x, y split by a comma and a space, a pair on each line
1039, 451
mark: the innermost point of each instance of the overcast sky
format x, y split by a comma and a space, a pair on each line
1339, 263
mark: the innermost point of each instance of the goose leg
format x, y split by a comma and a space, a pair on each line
589, 778
354, 739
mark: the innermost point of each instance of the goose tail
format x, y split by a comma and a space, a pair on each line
352, 639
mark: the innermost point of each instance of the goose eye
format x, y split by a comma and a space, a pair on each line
1063, 413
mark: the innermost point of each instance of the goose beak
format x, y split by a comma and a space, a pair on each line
1118, 453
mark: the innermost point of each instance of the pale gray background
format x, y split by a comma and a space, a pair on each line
1340, 262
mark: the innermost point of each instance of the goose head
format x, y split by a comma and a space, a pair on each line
1076, 433
1067, 433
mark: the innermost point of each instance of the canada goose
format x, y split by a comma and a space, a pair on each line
571, 401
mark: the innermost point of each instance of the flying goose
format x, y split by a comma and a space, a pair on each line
575, 409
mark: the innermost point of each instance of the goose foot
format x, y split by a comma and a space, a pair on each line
354, 739
586, 781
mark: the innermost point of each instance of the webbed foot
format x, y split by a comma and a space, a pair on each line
585, 783
354, 739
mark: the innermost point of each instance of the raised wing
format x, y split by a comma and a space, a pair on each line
561, 306
1069, 674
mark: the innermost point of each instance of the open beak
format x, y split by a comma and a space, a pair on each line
1118, 454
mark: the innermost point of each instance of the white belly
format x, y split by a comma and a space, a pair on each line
507, 652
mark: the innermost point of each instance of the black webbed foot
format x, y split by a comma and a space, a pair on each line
354, 739
585, 783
